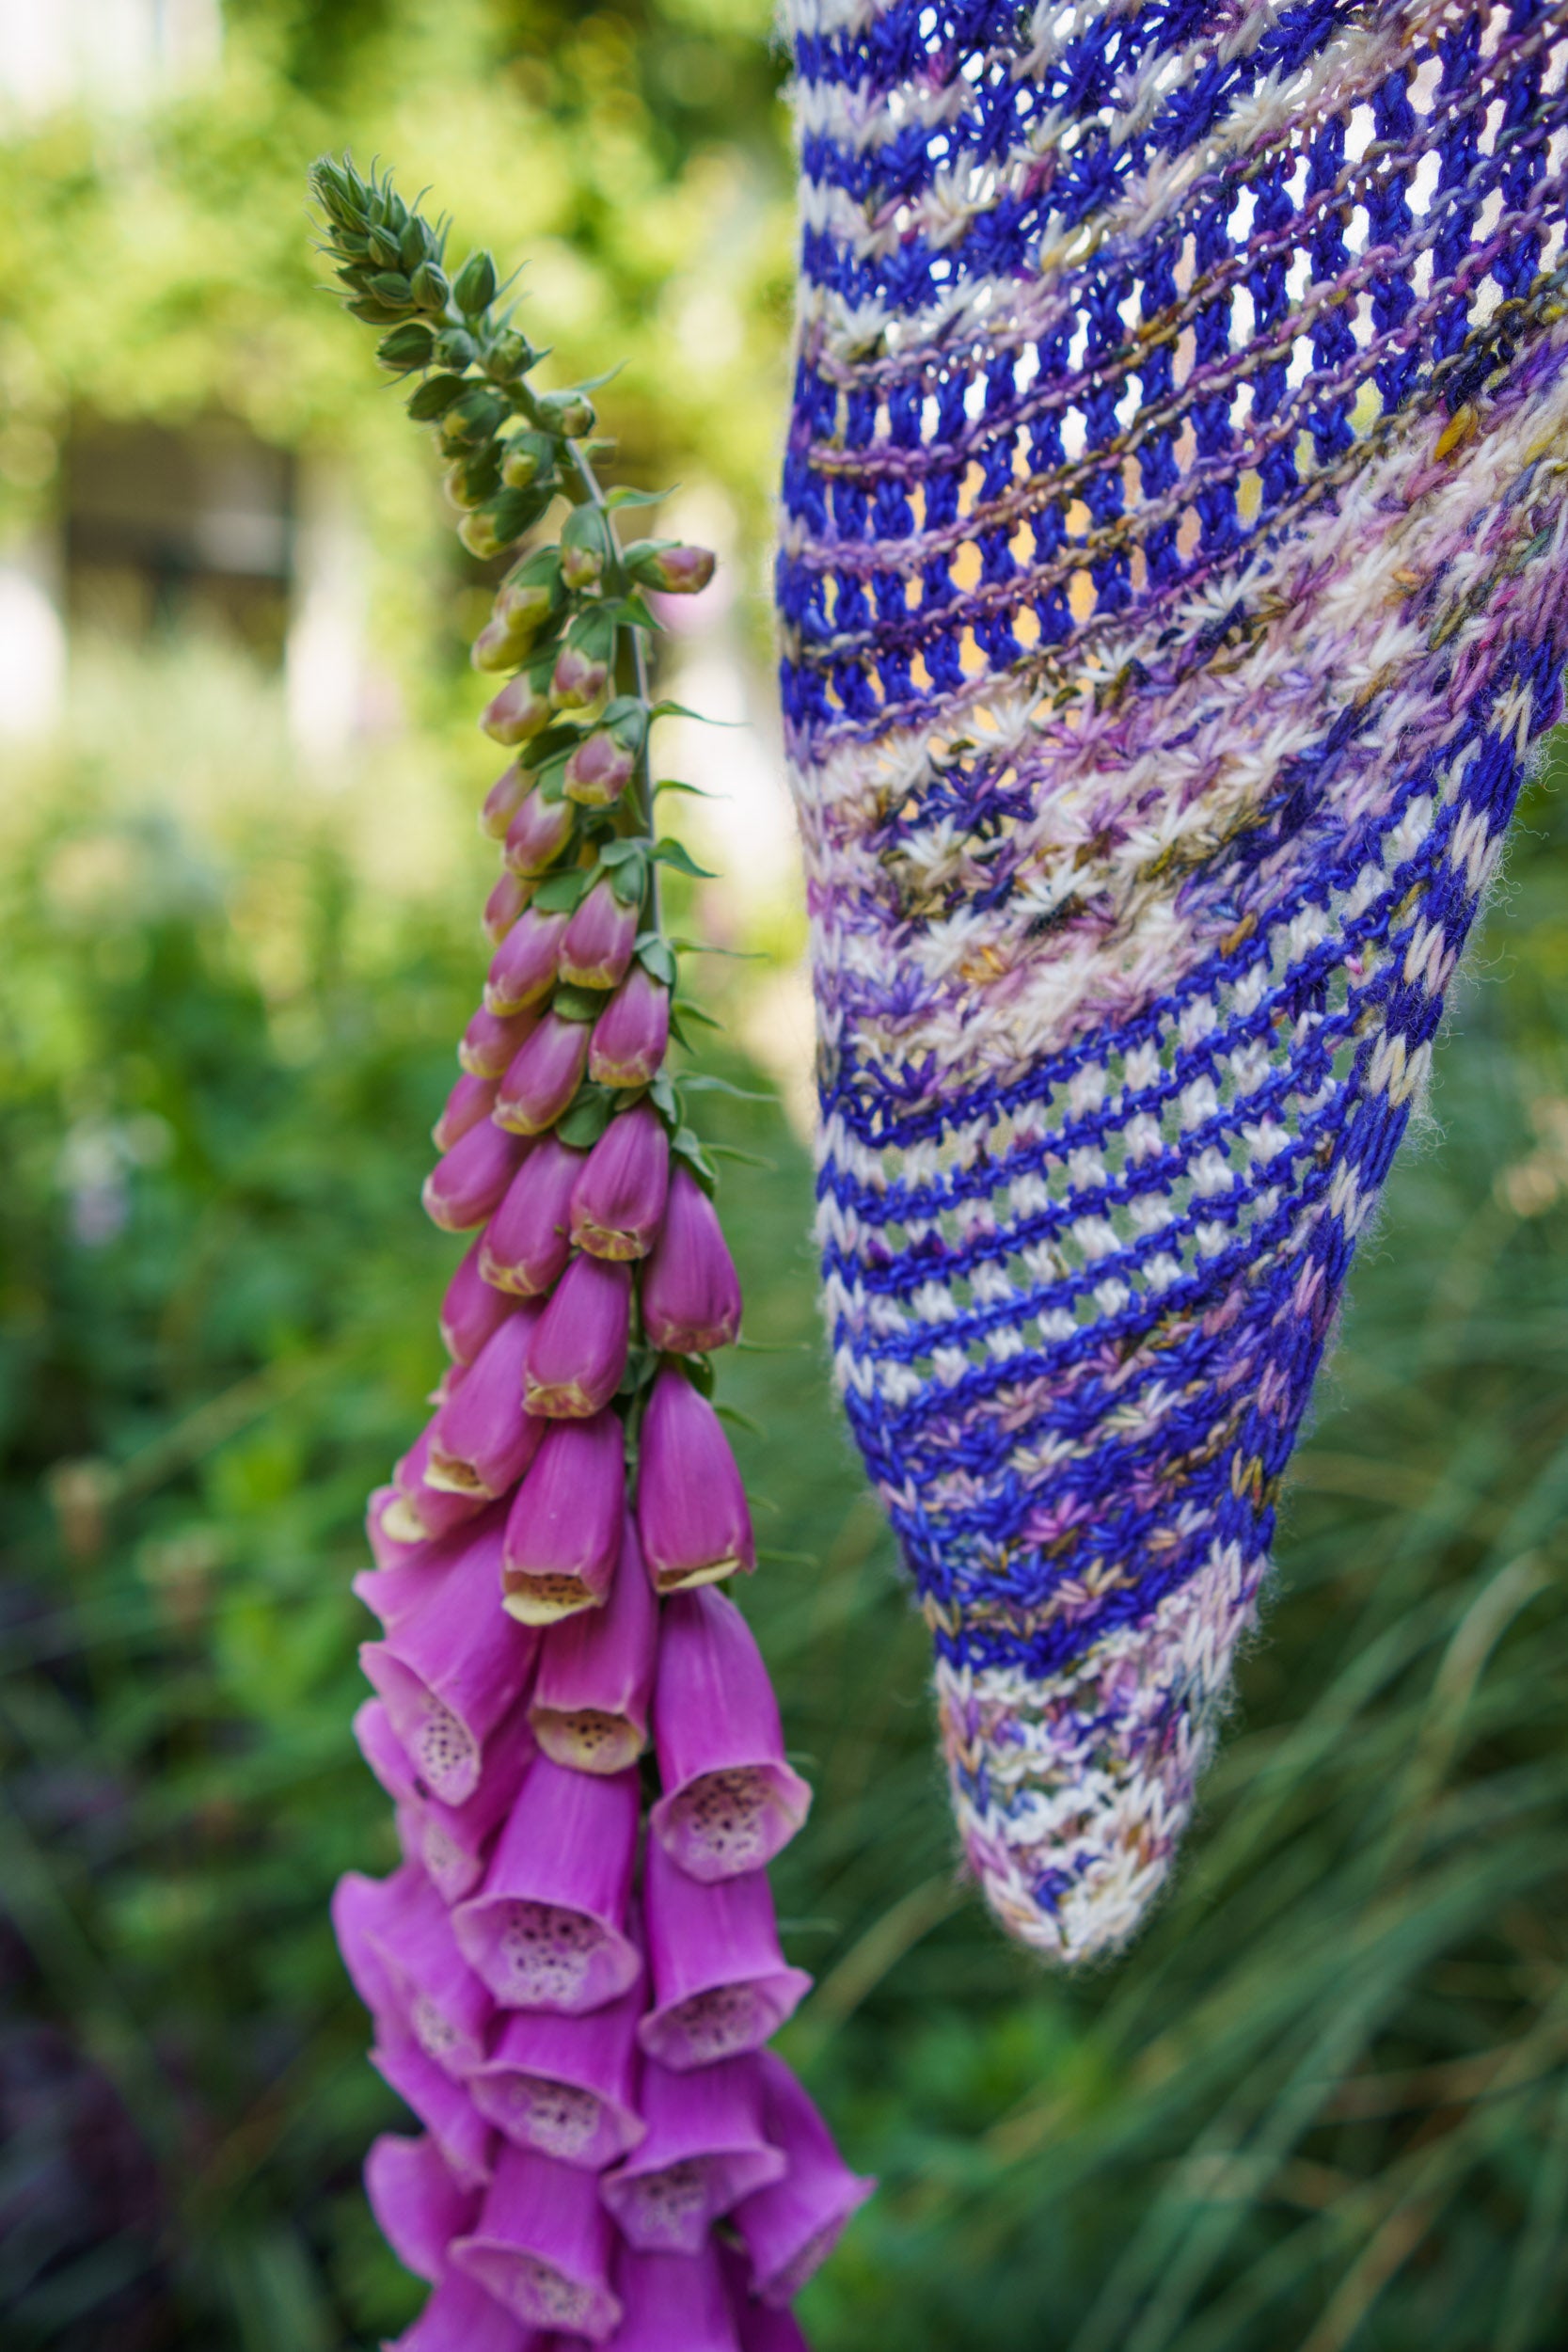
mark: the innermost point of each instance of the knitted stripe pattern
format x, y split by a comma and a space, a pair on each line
1171, 584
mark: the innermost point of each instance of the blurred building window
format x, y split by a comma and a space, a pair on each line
170, 529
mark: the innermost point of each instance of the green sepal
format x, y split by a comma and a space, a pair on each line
577, 1004
691, 1011
688, 1146
559, 893
429, 287
416, 244
390, 286
384, 252
699, 1371
434, 397
588, 1115
482, 477
508, 356
551, 785
668, 851
662, 1095
628, 880
738, 1420
652, 952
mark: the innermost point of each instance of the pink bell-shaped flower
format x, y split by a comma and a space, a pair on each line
454, 1839
691, 1293
472, 1308
547, 1929
422, 1512
461, 2317
526, 1244
417, 2205
705, 2151
596, 947
523, 966
691, 1514
363, 1909
576, 1350
542, 1081
447, 2008
442, 2105
563, 1532
730, 1799
481, 1441
452, 1670
600, 768
518, 713
632, 1034
759, 2326
565, 2086
674, 2303
619, 1199
537, 834
721, 1986
489, 1046
468, 1182
503, 800
790, 2228
541, 2246
590, 1704
506, 901
471, 1100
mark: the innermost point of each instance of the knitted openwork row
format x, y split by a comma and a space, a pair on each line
1172, 582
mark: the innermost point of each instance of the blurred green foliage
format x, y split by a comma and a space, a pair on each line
1325, 2102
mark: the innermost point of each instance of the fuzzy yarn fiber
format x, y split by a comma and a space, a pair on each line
1172, 581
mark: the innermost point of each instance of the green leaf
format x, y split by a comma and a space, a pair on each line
738, 1420
705, 1082
674, 784
585, 1122
653, 954
689, 1010
630, 881
679, 710
671, 852
558, 894
743, 1159
578, 1004
622, 496
616, 852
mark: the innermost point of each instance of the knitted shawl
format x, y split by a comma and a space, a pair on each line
1172, 584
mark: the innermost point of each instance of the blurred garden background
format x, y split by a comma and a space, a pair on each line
1325, 2102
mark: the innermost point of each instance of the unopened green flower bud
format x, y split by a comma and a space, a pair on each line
455, 348
475, 284
517, 511
415, 244
391, 287
434, 397
528, 458
404, 348
478, 535
384, 252
474, 481
429, 286
587, 546
568, 413
679, 571
475, 417
376, 313
510, 355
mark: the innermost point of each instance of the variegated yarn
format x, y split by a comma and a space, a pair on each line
1174, 574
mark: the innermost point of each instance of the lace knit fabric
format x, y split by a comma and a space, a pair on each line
1172, 582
